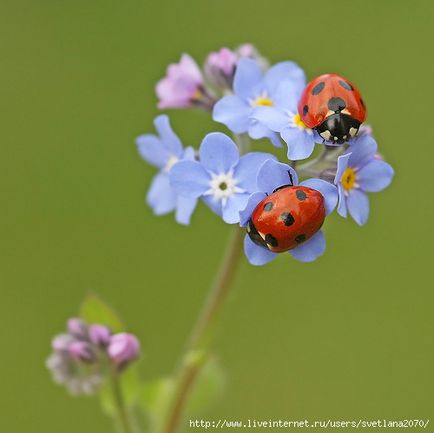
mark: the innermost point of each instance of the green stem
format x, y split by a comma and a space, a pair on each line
199, 337
124, 419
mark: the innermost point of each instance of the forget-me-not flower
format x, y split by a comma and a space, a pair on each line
254, 89
164, 151
222, 178
273, 175
359, 171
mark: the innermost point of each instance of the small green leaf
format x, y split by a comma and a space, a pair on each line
94, 310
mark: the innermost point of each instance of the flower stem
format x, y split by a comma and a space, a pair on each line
193, 359
118, 397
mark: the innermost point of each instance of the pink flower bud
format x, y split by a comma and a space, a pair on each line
99, 335
220, 67
123, 348
77, 327
61, 342
81, 351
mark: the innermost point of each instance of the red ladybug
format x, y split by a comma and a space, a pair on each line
333, 106
286, 218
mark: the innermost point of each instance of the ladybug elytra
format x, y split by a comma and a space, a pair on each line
333, 106
286, 218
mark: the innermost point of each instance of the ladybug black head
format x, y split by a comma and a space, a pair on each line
338, 128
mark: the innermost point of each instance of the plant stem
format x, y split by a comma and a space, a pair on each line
198, 339
121, 409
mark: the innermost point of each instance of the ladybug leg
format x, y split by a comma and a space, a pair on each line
290, 178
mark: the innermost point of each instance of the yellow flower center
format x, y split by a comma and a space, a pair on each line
348, 179
298, 122
262, 100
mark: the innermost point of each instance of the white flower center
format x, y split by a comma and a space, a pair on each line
222, 186
170, 163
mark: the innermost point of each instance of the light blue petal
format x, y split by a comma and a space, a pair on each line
273, 175
189, 154
168, 137
287, 95
342, 205
184, 209
248, 76
272, 117
232, 112
161, 197
189, 178
253, 201
288, 71
231, 210
218, 153
257, 255
257, 130
358, 206
152, 150
342, 166
213, 203
311, 249
300, 144
375, 176
362, 149
246, 172
328, 191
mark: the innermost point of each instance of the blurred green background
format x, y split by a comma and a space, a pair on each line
350, 336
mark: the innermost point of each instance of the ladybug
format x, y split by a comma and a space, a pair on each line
286, 218
333, 106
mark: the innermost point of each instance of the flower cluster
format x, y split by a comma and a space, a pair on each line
256, 101
81, 354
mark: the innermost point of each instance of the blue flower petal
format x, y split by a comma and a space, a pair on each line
232, 112
287, 95
218, 153
300, 143
358, 206
161, 197
248, 77
253, 201
274, 174
189, 178
257, 130
152, 150
342, 166
328, 191
342, 205
255, 254
289, 71
184, 209
213, 203
272, 117
363, 149
168, 137
231, 210
375, 176
311, 249
246, 172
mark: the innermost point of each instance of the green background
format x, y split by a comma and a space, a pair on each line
350, 336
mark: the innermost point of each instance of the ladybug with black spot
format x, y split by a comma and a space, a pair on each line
286, 218
332, 106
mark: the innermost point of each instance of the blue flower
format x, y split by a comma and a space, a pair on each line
360, 170
222, 178
271, 176
164, 151
253, 89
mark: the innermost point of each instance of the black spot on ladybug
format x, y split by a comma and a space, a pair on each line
363, 104
268, 206
287, 218
305, 110
336, 104
346, 85
301, 195
300, 239
318, 88
271, 240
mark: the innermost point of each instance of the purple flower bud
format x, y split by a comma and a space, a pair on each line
61, 342
81, 351
99, 335
183, 86
77, 328
123, 348
220, 67
251, 52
